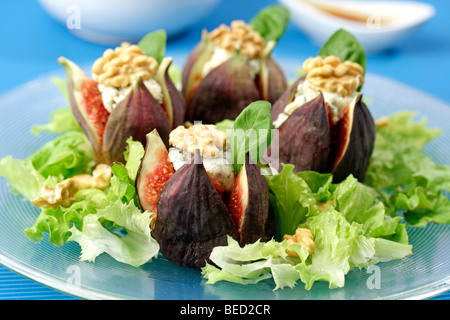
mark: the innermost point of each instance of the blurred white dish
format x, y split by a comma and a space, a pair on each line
111, 22
377, 25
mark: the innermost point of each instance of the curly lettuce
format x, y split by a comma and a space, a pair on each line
95, 215
351, 228
405, 177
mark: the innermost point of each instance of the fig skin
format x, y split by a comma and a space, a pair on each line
253, 219
223, 93
178, 103
134, 117
356, 139
75, 78
192, 72
275, 81
173, 101
227, 89
192, 218
285, 98
305, 137
311, 141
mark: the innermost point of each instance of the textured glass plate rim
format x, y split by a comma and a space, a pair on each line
9, 261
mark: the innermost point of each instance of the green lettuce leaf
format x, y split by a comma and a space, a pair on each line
128, 238
291, 198
405, 177
22, 177
57, 222
133, 156
62, 120
359, 203
253, 263
350, 227
67, 155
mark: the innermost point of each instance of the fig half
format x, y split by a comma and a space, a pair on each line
154, 171
249, 205
134, 116
87, 106
224, 92
311, 140
354, 141
305, 137
192, 219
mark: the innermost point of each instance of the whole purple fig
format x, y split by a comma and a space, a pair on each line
197, 198
230, 68
323, 123
129, 95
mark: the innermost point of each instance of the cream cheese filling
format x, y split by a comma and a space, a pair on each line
221, 55
111, 96
306, 92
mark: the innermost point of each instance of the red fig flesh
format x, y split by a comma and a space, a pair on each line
87, 106
155, 170
134, 116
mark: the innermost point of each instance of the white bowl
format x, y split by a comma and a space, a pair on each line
378, 25
111, 22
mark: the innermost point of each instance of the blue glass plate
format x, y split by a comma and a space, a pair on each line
424, 274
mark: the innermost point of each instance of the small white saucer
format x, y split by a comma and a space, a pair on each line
378, 25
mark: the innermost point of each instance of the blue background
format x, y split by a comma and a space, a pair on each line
31, 41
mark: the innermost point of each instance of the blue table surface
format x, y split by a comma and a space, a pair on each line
31, 42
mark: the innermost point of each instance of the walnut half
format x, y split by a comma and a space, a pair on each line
123, 66
65, 191
302, 236
333, 75
240, 36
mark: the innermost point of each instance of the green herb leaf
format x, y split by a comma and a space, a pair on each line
251, 133
225, 124
345, 46
154, 44
271, 22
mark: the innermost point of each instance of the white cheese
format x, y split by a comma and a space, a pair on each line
306, 92
219, 168
221, 55
111, 96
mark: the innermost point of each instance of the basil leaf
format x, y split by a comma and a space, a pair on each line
154, 44
345, 46
251, 133
271, 22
